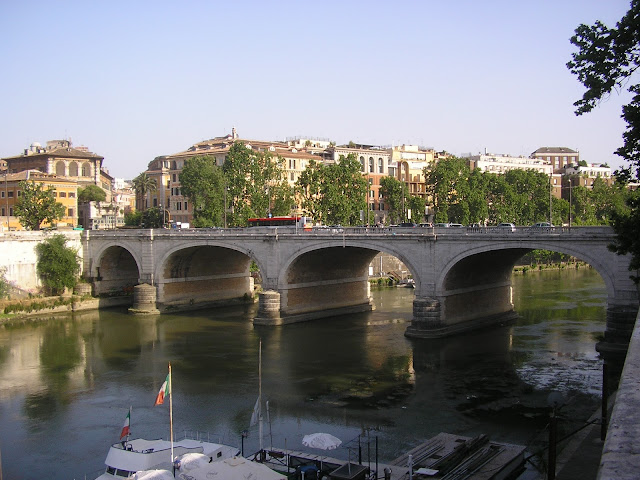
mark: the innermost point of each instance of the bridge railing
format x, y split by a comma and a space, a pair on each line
347, 231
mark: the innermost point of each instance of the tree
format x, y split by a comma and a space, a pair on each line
605, 61
335, 193
143, 184
626, 225
58, 265
416, 205
92, 193
447, 185
203, 182
37, 205
345, 191
133, 219
152, 218
251, 178
393, 191
309, 190
5, 286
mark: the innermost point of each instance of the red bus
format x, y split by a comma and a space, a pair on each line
280, 222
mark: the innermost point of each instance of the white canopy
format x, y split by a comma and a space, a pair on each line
236, 468
323, 441
153, 475
189, 461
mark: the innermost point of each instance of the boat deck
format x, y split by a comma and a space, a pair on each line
445, 456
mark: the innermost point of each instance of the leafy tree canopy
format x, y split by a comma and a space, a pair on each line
58, 265
37, 205
92, 193
256, 184
606, 60
203, 182
335, 193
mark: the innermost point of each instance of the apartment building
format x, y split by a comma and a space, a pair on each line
60, 158
66, 192
166, 169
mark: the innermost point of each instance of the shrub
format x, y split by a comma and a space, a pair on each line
58, 265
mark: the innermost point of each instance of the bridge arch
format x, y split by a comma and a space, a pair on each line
593, 258
116, 267
331, 276
194, 274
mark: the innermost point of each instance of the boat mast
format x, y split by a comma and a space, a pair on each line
171, 411
260, 394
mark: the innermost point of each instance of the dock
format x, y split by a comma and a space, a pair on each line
443, 457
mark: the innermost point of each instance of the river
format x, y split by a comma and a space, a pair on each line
67, 382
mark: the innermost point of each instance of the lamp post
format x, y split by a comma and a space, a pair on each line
6, 197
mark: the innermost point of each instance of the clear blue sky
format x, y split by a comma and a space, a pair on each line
133, 80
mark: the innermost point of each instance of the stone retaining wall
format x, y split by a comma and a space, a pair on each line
621, 452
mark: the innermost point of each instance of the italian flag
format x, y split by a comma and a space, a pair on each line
127, 424
165, 390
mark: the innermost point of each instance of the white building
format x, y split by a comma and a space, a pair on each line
502, 163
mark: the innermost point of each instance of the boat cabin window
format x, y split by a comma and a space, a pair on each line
118, 473
219, 454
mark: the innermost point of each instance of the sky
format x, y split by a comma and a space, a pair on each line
133, 80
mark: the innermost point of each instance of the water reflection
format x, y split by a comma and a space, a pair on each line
67, 383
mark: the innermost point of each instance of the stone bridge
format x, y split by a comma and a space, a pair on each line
462, 275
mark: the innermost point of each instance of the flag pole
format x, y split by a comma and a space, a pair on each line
128, 431
171, 410
260, 394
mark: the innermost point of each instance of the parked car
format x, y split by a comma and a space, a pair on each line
441, 225
408, 225
542, 225
455, 225
425, 225
510, 226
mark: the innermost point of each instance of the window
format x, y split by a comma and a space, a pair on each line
155, 202
86, 170
62, 194
73, 169
380, 165
178, 206
11, 211
10, 194
185, 206
19, 192
2, 213
362, 164
174, 177
70, 214
72, 194
60, 170
371, 165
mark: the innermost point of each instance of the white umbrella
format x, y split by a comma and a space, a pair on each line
323, 441
189, 461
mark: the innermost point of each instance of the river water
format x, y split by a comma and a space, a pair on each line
66, 383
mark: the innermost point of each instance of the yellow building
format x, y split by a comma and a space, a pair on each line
66, 192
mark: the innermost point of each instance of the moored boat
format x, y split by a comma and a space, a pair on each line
127, 457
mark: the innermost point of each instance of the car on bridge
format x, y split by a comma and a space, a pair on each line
507, 226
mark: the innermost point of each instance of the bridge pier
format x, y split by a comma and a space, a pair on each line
621, 320
268, 309
144, 300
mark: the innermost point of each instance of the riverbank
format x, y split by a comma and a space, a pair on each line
19, 310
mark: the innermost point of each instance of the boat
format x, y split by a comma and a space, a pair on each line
130, 456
